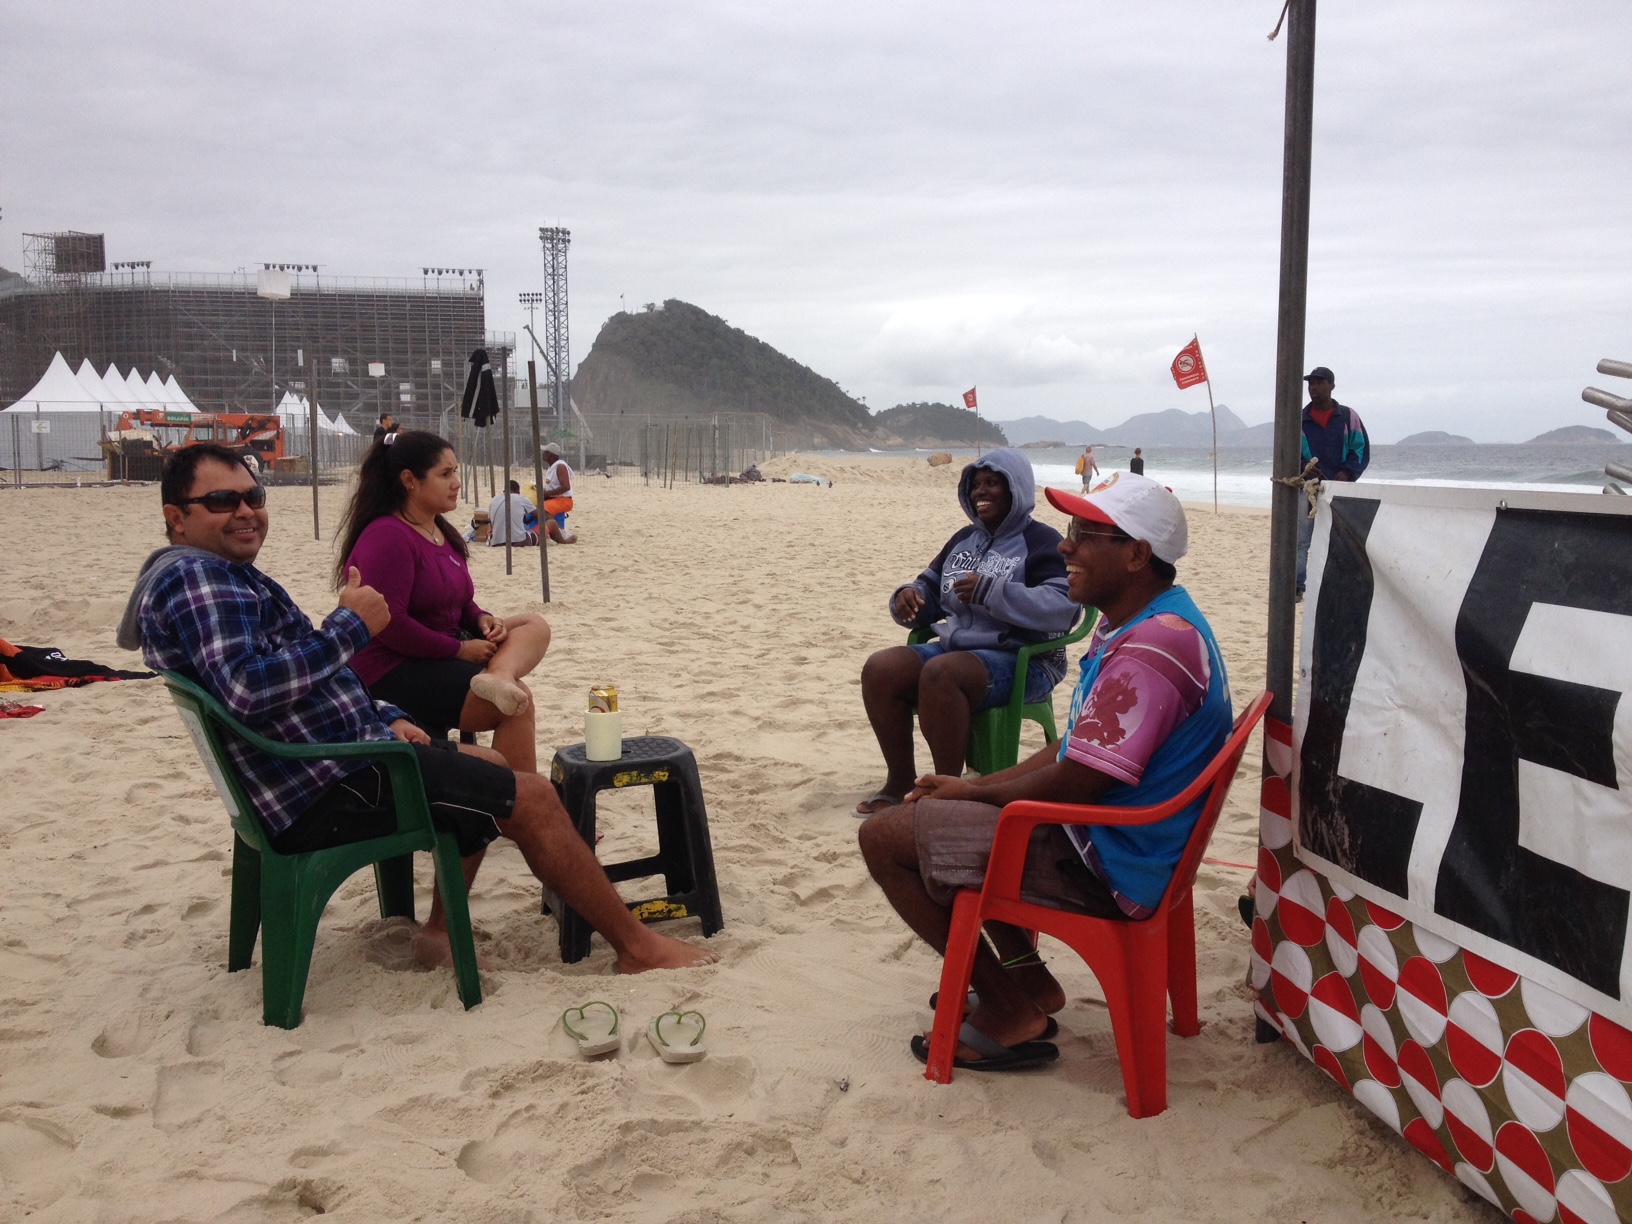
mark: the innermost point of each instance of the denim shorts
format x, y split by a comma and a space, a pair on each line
1047, 669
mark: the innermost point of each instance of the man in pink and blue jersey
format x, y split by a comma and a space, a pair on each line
1151, 708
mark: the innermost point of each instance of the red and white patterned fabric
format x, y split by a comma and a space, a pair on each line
1519, 1093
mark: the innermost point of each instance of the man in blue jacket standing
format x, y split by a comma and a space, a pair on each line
1335, 438
997, 585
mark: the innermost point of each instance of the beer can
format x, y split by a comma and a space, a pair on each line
603, 697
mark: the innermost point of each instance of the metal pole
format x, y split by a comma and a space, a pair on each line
1212, 413
311, 413
1286, 502
538, 483
504, 414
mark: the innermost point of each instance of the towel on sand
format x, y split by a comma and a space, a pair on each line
27, 669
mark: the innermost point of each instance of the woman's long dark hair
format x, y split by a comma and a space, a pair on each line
380, 490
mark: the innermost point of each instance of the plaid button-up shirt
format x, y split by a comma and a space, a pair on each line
237, 632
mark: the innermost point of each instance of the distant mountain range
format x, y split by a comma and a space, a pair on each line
1172, 427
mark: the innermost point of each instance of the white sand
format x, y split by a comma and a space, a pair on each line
138, 1083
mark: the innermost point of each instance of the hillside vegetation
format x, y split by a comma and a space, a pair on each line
679, 360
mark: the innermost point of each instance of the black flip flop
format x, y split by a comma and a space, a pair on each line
994, 1055
1050, 1031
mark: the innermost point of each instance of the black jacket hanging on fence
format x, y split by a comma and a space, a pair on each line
480, 402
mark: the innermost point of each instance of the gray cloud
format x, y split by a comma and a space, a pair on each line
1044, 199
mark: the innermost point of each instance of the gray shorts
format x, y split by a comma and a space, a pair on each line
954, 841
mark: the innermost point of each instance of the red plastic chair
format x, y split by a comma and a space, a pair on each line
1137, 963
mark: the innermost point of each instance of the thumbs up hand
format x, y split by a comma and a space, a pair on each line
365, 601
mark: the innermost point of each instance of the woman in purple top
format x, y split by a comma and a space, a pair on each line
442, 658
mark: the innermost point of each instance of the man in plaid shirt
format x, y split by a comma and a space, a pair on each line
203, 609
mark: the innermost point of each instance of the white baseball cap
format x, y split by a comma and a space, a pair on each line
1139, 506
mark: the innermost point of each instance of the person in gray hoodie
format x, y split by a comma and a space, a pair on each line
997, 585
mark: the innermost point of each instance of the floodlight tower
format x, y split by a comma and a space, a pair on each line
557, 347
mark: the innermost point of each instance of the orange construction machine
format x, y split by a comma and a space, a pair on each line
136, 448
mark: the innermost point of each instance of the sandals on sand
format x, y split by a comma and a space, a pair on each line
596, 1033
994, 1055
1050, 1032
507, 698
684, 1040
877, 803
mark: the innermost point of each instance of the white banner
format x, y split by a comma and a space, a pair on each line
1464, 746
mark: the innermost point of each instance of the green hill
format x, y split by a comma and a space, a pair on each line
679, 360
938, 425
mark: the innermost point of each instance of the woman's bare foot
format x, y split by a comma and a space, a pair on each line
433, 951
508, 697
661, 952
1008, 1031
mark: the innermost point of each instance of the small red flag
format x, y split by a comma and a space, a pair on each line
969, 399
1188, 367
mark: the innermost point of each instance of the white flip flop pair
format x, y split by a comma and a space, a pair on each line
597, 1032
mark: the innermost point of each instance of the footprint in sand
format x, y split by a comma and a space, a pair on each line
491, 1161
32, 1151
185, 1092
129, 1033
300, 1069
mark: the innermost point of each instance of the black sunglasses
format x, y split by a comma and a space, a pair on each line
227, 501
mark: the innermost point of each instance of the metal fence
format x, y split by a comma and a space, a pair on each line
39, 446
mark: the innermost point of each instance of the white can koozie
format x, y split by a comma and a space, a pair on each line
603, 735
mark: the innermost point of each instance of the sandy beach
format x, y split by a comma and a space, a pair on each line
138, 1083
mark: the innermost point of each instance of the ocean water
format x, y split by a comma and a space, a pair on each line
1243, 474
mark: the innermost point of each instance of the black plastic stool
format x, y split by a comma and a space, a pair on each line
685, 856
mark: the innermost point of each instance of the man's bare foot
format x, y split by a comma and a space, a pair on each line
1041, 987
883, 799
661, 952
433, 951
506, 696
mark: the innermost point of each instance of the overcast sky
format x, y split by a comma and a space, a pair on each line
1044, 199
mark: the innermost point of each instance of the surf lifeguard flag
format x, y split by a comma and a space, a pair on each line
1188, 367
969, 399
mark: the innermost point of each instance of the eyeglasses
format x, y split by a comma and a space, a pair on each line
227, 501
1078, 535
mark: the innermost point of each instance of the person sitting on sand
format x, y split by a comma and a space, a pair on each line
508, 514
997, 585
557, 493
1150, 710
205, 611
441, 658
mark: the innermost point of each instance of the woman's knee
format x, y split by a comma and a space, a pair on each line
894, 667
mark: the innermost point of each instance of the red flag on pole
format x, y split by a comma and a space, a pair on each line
969, 400
1188, 367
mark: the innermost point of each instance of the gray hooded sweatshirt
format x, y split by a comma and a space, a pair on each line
1021, 595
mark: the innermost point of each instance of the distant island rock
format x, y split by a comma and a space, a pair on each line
1435, 437
1575, 435
937, 425
679, 360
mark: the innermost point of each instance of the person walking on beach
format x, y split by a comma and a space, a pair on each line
1150, 710
997, 585
203, 609
1335, 439
1136, 465
1087, 467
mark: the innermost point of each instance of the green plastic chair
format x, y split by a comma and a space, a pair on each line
283, 895
994, 734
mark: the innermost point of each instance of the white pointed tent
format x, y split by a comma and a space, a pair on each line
138, 390
56, 391
176, 396
92, 382
118, 390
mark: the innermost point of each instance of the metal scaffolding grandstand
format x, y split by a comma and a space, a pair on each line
381, 344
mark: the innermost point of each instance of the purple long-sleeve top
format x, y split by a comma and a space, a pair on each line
428, 589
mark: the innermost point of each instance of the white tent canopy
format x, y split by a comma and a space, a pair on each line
57, 391
176, 397
294, 410
62, 390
